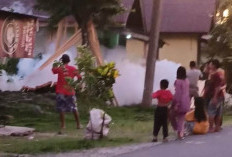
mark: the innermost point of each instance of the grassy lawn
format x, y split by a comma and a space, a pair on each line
129, 125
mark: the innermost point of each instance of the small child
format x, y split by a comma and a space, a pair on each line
164, 97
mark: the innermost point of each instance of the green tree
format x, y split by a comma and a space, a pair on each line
220, 42
100, 12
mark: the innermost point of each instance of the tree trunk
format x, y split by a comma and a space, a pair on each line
84, 31
94, 42
152, 53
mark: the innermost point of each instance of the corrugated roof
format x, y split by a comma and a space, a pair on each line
177, 16
182, 15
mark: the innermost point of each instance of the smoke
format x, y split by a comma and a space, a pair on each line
10, 83
129, 86
29, 73
38, 77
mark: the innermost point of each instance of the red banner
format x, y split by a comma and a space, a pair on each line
17, 35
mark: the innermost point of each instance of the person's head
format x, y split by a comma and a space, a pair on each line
192, 64
65, 59
181, 73
199, 113
214, 65
164, 84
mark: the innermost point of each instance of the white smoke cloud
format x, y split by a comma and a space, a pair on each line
129, 86
28, 73
38, 77
10, 83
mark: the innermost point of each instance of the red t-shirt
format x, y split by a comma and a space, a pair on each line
163, 96
66, 71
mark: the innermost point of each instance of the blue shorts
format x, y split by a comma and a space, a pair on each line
66, 103
215, 109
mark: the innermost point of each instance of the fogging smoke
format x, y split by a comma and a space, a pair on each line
129, 86
28, 73
41, 77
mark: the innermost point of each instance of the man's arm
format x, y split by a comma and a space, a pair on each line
55, 70
217, 82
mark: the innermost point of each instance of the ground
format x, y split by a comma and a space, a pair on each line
130, 125
210, 145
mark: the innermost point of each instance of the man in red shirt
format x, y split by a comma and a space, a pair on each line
65, 94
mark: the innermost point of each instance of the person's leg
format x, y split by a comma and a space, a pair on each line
218, 118
157, 124
62, 122
217, 123
172, 118
77, 119
212, 113
221, 116
180, 125
60, 107
188, 128
211, 124
73, 107
164, 122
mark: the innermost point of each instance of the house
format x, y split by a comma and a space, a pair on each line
182, 25
17, 34
44, 37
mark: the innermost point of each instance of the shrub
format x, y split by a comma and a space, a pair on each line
97, 81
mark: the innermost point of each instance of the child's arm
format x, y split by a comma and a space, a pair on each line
155, 95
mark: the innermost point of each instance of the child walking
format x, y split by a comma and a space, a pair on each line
164, 97
181, 102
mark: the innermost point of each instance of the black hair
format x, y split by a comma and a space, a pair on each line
164, 84
199, 113
65, 59
216, 63
192, 64
181, 73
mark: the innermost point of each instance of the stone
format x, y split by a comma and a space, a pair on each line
16, 131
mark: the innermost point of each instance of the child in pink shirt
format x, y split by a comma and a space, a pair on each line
164, 97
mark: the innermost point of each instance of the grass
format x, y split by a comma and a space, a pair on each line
129, 125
